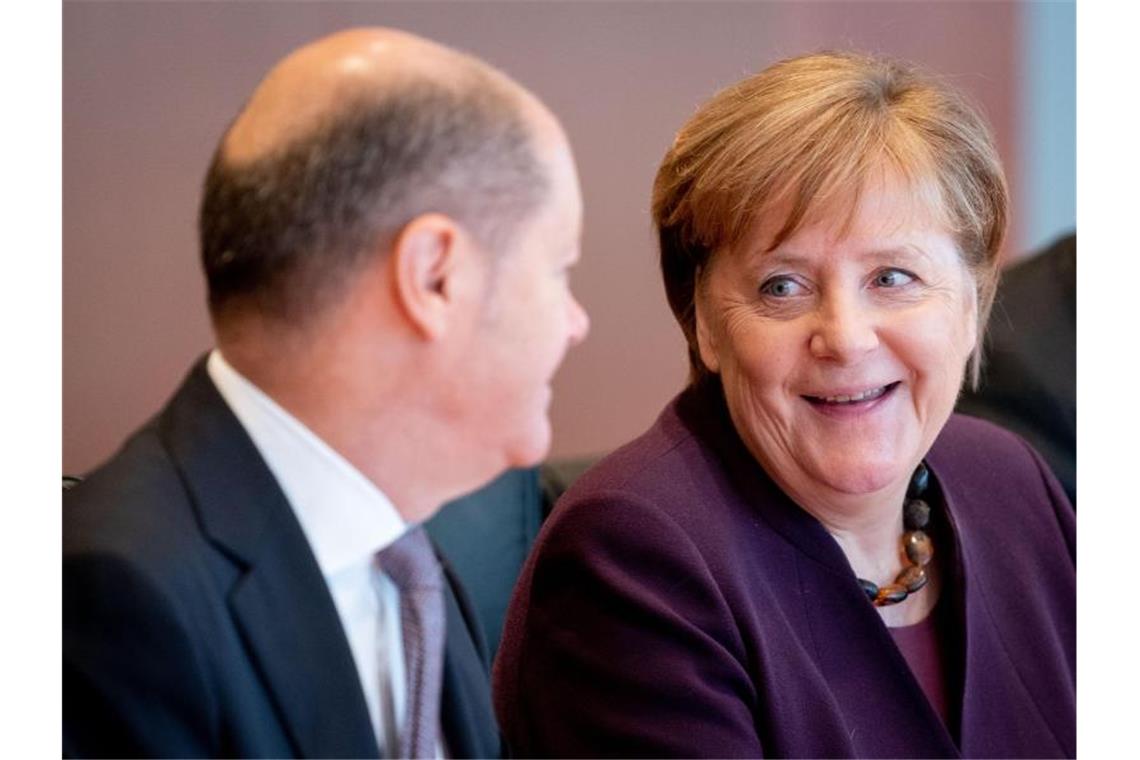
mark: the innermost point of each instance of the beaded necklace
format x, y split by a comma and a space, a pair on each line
916, 543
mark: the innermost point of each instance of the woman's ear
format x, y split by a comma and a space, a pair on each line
426, 258
706, 340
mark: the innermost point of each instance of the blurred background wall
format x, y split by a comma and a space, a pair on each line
149, 87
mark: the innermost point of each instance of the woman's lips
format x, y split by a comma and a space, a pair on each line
855, 401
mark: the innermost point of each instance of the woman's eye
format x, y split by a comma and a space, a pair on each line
781, 287
893, 278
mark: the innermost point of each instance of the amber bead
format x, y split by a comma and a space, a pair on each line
916, 514
913, 578
919, 548
892, 593
919, 481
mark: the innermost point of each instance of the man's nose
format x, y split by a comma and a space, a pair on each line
579, 322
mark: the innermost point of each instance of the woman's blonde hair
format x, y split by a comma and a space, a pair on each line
812, 130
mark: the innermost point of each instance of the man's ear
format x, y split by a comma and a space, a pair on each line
426, 258
706, 342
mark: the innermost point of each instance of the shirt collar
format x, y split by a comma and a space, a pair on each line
345, 517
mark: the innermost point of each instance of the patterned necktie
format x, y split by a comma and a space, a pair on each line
412, 566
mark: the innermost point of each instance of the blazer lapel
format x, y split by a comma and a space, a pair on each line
864, 669
281, 604
466, 714
284, 610
1001, 708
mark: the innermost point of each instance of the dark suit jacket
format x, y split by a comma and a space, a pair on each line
678, 604
196, 621
1029, 380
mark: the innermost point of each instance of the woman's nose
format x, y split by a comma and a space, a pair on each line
845, 330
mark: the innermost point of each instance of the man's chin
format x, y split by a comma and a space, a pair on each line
533, 449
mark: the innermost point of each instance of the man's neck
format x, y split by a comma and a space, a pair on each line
385, 428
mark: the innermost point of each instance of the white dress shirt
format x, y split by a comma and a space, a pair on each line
346, 520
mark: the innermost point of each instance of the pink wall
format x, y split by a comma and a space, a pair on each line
148, 88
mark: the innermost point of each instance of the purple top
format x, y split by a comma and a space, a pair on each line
920, 646
677, 603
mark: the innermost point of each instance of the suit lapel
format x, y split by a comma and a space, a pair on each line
864, 669
1000, 710
281, 604
290, 623
466, 714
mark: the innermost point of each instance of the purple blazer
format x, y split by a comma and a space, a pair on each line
677, 603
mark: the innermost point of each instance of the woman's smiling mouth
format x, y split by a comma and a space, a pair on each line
858, 398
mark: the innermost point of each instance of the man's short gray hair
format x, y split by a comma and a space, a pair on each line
283, 234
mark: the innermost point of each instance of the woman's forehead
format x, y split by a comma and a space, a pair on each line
884, 206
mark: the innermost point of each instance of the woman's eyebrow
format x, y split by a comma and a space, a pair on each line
784, 257
759, 257
906, 252
780, 257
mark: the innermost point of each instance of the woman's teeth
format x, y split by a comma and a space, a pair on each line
867, 395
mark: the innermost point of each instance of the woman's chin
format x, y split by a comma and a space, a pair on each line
857, 478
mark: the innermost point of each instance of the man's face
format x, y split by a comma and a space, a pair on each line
528, 321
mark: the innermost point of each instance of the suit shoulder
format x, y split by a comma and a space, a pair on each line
983, 464
972, 438
657, 488
972, 448
1052, 271
647, 466
134, 507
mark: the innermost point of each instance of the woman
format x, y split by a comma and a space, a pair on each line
807, 554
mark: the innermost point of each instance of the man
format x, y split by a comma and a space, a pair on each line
386, 230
